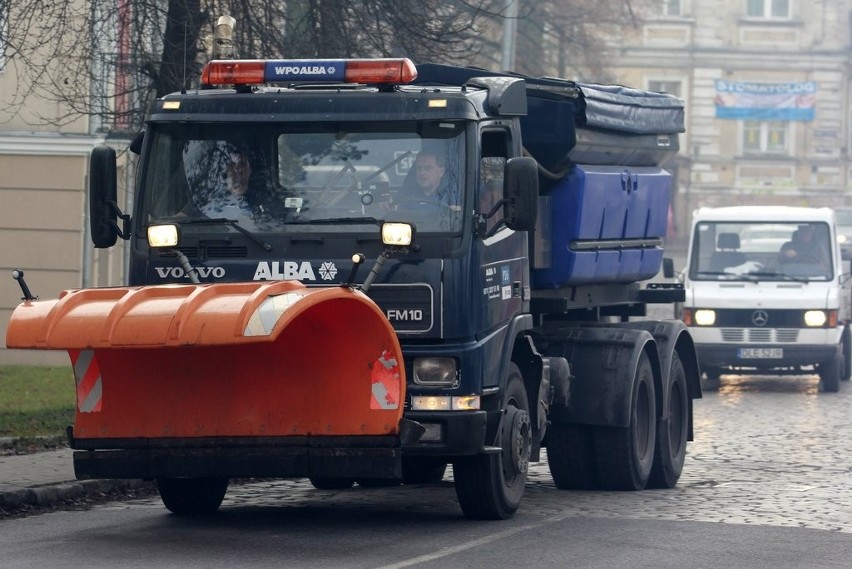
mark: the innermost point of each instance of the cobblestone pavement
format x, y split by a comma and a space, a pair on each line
768, 451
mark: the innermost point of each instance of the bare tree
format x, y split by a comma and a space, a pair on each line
108, 59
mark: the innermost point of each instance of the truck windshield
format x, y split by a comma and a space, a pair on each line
761, 250
316, 177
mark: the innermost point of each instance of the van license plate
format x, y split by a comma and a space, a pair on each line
760, 353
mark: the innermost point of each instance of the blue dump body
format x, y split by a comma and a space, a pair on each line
603, 207
599, 217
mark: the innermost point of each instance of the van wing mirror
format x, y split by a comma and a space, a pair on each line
521, 192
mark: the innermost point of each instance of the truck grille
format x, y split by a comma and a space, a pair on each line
760, 335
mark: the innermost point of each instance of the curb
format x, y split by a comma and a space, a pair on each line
15, 497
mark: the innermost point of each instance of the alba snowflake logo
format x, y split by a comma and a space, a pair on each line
327, 271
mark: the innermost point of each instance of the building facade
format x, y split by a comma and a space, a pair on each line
43, 206
766, 86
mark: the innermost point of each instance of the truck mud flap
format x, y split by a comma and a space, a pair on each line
603, 361
222, 360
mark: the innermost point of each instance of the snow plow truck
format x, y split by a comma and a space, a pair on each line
498, 322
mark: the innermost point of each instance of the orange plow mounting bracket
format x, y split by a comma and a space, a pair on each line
222, 360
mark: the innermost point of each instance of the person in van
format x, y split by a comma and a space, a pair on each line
805, 246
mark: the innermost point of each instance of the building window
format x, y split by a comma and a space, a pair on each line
768, 9
669, 86
672, 7
768, 137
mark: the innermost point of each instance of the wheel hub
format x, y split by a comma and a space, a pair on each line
516, 442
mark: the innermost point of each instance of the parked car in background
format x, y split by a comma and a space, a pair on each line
844, 231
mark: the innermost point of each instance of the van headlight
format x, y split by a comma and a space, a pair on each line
705, 317
815, 318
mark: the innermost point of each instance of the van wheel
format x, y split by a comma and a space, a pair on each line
829, 374
672, 431
712, 379
192, 496
847, 354
490, 486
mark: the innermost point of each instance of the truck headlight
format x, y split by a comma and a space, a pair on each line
397, 234
705, 317
815, 318
441, 372
163, 235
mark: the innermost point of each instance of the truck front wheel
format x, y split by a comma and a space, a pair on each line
188, 496
490, 486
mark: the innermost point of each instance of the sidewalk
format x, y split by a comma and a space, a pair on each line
46, 479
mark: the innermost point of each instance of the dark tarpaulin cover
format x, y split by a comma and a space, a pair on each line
624, 109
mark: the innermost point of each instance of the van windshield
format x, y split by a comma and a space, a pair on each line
761, 250
316, 178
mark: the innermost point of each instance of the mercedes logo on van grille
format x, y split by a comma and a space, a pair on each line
759, 318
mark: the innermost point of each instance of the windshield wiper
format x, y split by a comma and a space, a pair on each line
784, 276
336, 220
732, 276
265, 245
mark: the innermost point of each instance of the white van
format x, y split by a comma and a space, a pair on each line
759, 299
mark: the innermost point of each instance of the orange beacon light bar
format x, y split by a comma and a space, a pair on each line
259, 71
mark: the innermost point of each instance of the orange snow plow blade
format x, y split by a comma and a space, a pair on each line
222, 360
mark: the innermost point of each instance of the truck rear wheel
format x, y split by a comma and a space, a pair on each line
490, 486
624, 455
188, 496
672, 430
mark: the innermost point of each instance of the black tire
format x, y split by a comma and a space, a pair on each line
569, 457
625, 455
490, 486
422, 471
324, 483
847, 354
672, 430
192, 496
829, 374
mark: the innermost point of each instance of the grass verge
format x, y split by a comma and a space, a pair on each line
35, 401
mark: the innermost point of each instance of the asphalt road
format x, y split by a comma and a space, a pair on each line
767, 483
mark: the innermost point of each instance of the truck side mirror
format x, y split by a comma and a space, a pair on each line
103, 196
521, 192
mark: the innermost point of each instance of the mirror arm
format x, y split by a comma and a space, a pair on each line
124, 230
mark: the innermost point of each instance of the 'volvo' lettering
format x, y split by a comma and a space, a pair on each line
284, 271
179, 273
